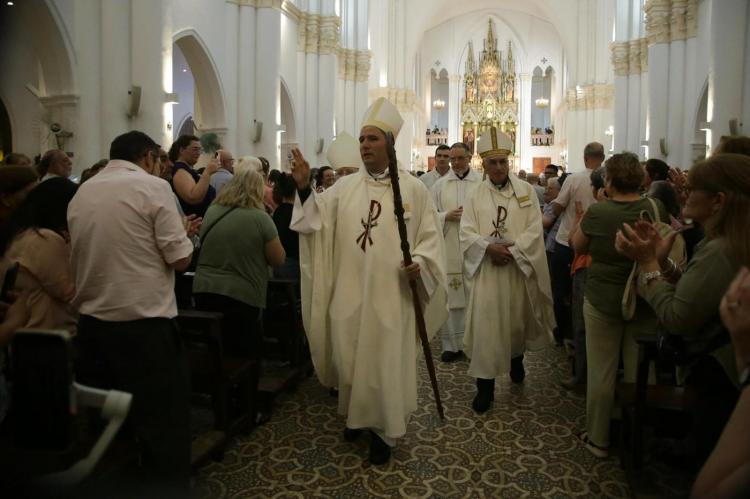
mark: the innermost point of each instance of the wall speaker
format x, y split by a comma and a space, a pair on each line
134, 101
319, 146
663, 147
257, 130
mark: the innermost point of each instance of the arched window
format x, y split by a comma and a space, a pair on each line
542, 132
439, 90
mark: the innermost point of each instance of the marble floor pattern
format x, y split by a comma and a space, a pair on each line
525, 446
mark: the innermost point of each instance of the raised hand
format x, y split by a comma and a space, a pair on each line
211, 167
300, 170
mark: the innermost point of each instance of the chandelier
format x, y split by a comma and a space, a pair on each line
438, 104
541, 102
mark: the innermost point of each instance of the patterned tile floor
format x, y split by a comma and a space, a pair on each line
525, 446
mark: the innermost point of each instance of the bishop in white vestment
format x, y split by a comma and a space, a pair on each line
451, 193
357, 307
510, 303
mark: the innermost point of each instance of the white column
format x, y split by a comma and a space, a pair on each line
455, 133
86, 143
147, 66
676, 102
115, 78
327, 71
267, 82
246, 64
311, 106
231, 88
726, 64
622, 31
658, 97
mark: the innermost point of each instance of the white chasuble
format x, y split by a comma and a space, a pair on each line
510, 306
357, 306
449, 193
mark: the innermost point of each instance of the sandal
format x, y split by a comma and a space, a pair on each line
600, 452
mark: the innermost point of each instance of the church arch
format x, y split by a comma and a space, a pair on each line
209, 111
288, 139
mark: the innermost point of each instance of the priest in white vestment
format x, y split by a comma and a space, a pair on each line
357, 306
442, 166
451, 193
510, 301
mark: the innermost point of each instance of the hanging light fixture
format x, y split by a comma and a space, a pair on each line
438, 104
542, 102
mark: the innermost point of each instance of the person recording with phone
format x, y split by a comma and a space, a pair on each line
193, 190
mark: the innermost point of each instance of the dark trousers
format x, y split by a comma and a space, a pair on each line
716, 398
240, 326
562, 286
145, 358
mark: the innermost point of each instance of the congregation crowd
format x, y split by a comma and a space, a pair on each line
504, 263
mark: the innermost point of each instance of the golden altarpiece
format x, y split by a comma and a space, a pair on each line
490, 97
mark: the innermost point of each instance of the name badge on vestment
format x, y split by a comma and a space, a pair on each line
523, 201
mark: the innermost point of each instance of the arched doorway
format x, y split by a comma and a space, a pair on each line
288, 129
196, 80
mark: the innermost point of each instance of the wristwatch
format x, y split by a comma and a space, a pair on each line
645, 278
745, 376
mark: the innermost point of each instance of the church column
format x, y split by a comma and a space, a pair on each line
309, 146
147, 66
658, 18
329, 40
268, 82
455, 133
691, 94
115, 78
246, 64
620, 63
362, 63
676, 82
726, 65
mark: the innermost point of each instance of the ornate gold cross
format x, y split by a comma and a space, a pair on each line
455, 283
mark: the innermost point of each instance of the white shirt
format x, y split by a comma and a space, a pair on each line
577, 187
125, 234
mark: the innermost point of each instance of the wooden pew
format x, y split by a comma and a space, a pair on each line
231, 381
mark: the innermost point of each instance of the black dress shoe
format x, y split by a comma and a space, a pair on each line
350, 435
485, 395
380, 452
517, 372
449, 356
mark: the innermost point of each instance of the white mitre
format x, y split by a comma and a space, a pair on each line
248, 163
493, 143
344, 152
383, 114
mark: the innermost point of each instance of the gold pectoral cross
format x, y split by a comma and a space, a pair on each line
372, 216
499, 224
455, 283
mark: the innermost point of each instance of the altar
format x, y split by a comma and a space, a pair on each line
490, 96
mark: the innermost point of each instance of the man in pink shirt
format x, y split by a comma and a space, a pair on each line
127, 239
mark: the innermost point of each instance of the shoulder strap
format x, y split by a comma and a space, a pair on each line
657, 217
205, 234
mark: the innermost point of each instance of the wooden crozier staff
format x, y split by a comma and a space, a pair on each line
421, 328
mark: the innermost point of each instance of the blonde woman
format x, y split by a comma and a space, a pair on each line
239, 241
